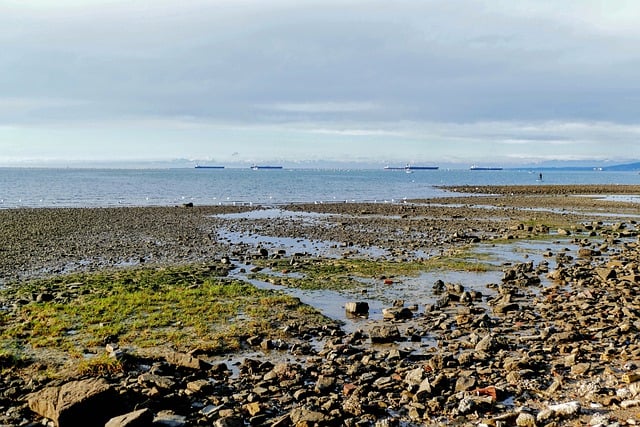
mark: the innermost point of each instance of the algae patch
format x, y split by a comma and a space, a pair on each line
180, 308
347, 273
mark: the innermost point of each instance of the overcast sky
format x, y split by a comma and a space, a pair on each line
379, 81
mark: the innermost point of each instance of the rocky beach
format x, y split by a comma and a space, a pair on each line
539, 327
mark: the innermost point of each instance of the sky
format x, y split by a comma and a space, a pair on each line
390, 82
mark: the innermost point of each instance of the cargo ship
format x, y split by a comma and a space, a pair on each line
484, 168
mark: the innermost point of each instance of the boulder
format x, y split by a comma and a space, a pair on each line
77, 403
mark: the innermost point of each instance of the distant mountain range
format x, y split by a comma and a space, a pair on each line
626, 167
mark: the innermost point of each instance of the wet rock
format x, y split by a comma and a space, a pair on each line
397, 313
438, 287
254, 341
357, 308
503, 308
384, 334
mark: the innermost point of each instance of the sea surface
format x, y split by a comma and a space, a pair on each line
65, 187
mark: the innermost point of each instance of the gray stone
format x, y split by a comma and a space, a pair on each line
161, 382
169, 419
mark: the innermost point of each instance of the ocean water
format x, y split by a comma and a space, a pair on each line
35, 187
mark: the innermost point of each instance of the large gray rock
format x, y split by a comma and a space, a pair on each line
77, 403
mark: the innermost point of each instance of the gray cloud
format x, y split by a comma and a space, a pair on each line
372, 66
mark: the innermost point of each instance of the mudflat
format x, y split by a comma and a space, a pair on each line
553, 340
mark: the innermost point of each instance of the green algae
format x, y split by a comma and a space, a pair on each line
180, 308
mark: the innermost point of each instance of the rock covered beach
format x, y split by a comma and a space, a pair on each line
552, 342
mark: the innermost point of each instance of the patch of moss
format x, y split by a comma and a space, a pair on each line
182, 307
346, 273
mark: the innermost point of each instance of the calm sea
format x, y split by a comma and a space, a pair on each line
34, 187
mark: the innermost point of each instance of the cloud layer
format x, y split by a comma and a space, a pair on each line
522, 80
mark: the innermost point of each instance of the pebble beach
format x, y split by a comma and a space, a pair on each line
552, 342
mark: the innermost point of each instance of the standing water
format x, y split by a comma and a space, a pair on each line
34, 187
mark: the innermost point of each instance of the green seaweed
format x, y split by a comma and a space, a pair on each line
346, 273
181, 307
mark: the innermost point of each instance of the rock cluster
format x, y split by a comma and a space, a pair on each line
529, 355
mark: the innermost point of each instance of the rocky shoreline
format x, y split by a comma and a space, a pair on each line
554, 343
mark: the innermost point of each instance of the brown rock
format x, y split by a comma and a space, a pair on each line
580, 368
384, 334
253, 408
139, 418
77, 403
187, 361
